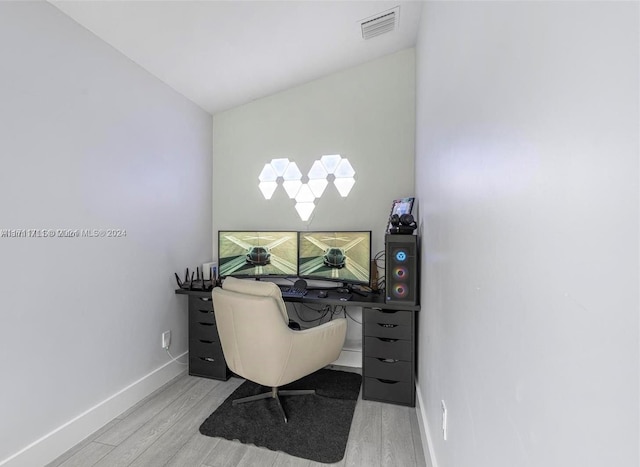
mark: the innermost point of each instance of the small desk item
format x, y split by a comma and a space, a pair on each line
297, 290
293, 292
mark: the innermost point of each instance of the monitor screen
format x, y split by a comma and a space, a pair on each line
257, 254
336, 256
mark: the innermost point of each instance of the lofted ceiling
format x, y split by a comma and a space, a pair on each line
221, 54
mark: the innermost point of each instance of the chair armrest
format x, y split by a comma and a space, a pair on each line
315, 348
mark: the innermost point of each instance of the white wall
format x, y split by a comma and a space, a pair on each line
527, 178
89, 140
365, 113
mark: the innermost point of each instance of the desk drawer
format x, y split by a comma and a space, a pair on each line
201, 309
388, 330
383, 348
208, 367
203, 330
397, 392
396, 370
205, 348
400, 317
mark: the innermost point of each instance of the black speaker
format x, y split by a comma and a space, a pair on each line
401, 271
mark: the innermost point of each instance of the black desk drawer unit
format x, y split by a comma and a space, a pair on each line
205, 351
388, 356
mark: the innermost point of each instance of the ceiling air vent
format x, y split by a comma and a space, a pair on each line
381, 23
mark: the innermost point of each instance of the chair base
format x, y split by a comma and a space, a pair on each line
275, 394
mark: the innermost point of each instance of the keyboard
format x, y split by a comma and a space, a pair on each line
293, 292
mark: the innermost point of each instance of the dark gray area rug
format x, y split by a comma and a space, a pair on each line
318, 426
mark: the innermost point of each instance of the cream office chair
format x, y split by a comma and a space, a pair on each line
258, 344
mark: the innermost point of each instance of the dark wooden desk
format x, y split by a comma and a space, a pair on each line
388, 342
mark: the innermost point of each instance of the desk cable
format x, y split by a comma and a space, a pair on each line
344, 308
380, 257
324, 310
175, 359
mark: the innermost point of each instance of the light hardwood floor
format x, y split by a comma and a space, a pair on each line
162, 430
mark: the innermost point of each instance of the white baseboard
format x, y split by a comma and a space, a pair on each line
425, 433
63, 438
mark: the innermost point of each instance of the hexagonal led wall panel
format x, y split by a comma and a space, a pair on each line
344, 180
329, 168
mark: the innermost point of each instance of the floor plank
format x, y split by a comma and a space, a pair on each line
126, 452
162, 430
81, 445
137, 418
258, 456
88, 455
321, 464
226, 454
285, 460
365, 437
177, 436
417, 442
194, 452
397, 442
155, 393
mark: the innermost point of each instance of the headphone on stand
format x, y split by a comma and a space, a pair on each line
402, 224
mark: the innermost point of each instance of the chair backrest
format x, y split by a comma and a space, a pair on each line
254, 334
258, 288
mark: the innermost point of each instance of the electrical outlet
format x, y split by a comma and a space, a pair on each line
166, 339
444, 420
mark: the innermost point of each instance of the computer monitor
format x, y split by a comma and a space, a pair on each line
257, 253
342, 256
